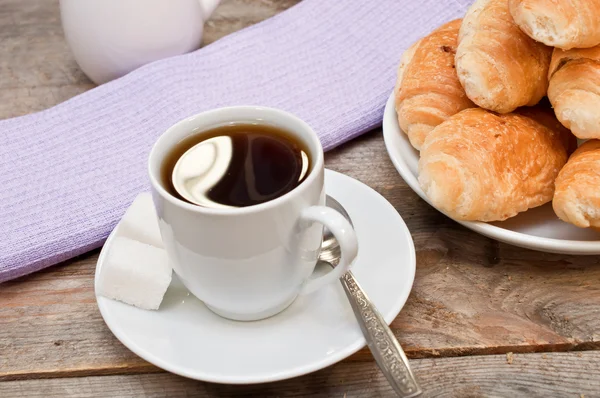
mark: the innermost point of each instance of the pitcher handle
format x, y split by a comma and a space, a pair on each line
208, 7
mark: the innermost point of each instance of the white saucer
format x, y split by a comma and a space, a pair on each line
537, 229
317, 330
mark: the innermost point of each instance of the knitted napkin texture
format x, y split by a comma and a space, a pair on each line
67, 174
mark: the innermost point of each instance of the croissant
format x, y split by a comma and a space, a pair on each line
500, 67
427, 89
574, 90
564, 24
479, 165
577, 196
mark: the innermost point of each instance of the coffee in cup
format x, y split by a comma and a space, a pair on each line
235, 165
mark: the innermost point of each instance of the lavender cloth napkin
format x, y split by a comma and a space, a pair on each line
68, 173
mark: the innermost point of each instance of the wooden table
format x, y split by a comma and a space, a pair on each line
484, 318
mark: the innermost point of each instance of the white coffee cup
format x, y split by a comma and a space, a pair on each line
251, 262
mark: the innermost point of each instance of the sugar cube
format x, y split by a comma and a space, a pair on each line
135, 273
140, 222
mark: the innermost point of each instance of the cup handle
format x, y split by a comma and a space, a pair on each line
346, 237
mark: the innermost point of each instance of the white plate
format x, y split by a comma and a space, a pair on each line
317, 330
537, 229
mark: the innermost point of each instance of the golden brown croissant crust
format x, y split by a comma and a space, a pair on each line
427, 89
574, 90
483, 166
564, 24
577, 196
500, 67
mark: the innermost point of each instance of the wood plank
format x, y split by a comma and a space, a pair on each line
530, 375
36, 67
471, 296
462, 303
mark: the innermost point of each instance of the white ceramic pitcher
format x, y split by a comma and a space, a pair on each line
110, 38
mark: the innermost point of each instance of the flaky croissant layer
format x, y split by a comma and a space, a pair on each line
577, 196
427, 90
564, 24
574, 90
482, 166
499, 66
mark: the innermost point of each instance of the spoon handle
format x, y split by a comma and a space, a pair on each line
381, 341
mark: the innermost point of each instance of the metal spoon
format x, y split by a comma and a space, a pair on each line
381, 341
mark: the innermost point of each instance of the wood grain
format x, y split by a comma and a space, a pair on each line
529, 375
36, 67
471, 295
